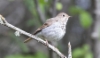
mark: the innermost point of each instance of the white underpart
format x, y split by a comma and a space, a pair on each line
52, 33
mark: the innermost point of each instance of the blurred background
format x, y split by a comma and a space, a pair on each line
83, 28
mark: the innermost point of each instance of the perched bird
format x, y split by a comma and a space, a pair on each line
53, 29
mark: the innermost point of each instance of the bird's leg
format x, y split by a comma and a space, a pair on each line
46, 42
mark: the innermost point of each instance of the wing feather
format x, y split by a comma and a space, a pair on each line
46, 24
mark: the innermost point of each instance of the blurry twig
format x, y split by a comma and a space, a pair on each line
40, 12
54, 8
96, 32
69, 51
5, 23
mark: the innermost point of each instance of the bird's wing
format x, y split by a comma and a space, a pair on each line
46, 24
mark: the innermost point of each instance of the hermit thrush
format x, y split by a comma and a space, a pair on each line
53, 29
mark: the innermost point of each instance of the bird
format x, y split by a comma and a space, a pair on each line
53, 29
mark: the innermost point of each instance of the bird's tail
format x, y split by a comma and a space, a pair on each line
28, 39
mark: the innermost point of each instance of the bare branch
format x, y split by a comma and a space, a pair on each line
5, 23
96, 32
39, 11
54, 8
69, 51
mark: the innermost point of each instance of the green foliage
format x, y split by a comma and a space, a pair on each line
30, 22
31, 7
17, 40
42, 2
85, 17
58, 6
78, 52
41, 55
37, 55
82, 52
89, 55
74, 10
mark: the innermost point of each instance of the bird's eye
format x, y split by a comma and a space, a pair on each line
63, 15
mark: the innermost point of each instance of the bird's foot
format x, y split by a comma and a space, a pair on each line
46, 42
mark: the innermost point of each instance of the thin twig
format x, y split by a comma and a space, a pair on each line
39, 11
96, 30
69, 51
5, 23
54, 8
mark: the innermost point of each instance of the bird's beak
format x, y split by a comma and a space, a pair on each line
69, 16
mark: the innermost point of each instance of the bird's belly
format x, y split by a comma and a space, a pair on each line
53, 33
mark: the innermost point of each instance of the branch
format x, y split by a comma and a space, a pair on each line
96, 32
39, 11
54, 8
5, 23
69, 51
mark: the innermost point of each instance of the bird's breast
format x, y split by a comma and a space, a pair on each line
53, 32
